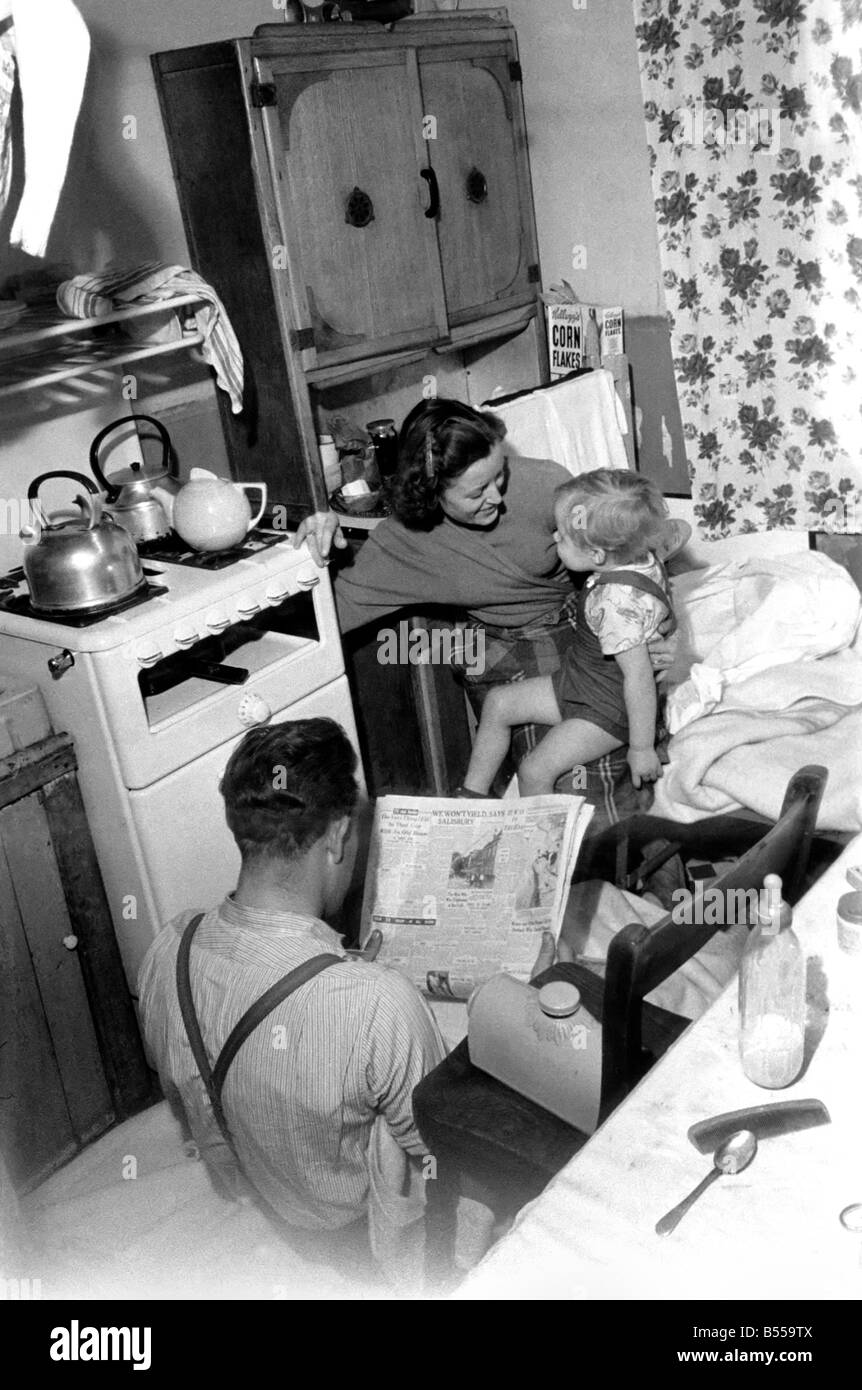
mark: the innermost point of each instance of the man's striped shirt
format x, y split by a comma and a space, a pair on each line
304, 1090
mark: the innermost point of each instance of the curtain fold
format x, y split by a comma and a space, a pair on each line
754, 124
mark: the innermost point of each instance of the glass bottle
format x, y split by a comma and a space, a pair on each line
772, 995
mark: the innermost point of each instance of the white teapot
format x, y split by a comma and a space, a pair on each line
212, 513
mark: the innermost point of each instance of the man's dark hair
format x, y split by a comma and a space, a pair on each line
284, 785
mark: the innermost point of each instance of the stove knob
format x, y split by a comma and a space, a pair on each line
186, 635
247, 607
148, 653
308, 576
252, 709
217, 620
277, 591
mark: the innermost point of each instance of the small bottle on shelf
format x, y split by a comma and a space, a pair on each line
772, 995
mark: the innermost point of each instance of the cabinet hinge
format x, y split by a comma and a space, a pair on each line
301, 338
532, 274
516, 72
263, 94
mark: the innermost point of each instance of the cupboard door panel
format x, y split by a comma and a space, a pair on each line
477, 155
36, 1131
347, 147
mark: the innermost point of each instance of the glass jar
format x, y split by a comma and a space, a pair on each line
384, 440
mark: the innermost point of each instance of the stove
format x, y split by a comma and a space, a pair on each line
175, 551
157, 693
12, 600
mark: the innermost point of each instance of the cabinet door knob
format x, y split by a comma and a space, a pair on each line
360, 209
477, 186
70, 942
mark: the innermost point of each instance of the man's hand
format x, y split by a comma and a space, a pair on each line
321, 530
371, 948
550, 952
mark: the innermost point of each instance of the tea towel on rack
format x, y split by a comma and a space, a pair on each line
578, 423
51, 50
89, 296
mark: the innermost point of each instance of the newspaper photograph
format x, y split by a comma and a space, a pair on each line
463, 889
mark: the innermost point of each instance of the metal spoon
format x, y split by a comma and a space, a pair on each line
730, 1157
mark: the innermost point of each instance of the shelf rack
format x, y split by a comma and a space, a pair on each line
46, 348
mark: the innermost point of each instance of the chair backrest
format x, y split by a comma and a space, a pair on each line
640, 958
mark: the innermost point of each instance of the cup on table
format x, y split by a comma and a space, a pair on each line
850, 924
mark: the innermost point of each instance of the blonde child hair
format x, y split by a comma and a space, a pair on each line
613, 510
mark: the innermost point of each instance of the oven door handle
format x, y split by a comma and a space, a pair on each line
215, 671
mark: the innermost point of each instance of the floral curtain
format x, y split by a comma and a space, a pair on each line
754, 123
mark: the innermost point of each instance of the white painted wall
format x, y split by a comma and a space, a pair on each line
588, 153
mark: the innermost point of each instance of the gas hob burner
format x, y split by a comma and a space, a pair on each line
20, 604
171, 550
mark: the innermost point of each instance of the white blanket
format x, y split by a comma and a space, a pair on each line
776, 683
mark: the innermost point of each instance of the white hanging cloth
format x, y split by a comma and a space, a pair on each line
51, 49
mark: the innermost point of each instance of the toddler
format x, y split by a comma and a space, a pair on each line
604, 696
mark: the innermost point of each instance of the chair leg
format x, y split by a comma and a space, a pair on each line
441, 1217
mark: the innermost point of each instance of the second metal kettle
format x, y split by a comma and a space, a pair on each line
139, 500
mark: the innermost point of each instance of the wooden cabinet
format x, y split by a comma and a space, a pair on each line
71, 1058
358, 196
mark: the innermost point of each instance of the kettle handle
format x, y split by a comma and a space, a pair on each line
112, 492
90, 499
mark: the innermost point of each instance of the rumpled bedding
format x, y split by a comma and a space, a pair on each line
771, 681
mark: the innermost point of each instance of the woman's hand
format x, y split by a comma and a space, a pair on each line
322, 530
644, 765
662, 650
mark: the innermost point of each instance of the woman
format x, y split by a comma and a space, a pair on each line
470, 530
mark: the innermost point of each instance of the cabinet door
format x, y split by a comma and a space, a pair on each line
478, 153
345, 147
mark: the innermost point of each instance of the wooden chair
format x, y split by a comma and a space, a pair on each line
492, 1143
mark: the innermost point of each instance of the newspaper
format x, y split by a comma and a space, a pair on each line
463, 889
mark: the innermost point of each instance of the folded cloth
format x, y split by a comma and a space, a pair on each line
578, 423
91, 296
741, 756
756, 615
52, 50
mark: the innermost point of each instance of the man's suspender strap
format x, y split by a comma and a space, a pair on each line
214, 1078
633, 580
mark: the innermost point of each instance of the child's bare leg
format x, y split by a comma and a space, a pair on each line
523, 702
572, 743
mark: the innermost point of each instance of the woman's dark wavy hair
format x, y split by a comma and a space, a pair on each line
439, 440
284, 786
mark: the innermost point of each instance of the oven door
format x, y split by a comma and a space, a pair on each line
189, 855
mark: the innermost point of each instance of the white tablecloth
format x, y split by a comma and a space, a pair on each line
772, 1231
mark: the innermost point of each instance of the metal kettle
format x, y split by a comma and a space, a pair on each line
142, 502
78, 560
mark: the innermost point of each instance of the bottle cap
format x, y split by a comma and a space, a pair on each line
559, 999
773, 913
850, 908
